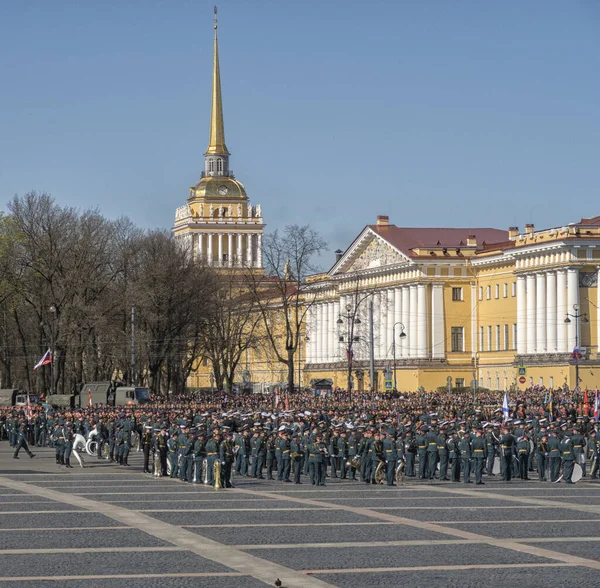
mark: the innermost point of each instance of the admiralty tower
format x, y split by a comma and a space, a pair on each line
217, 223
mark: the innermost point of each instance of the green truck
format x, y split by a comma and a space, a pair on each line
16, 397
109, 393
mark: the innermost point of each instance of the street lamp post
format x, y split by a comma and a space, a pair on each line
402, 336
576, 355
351, 321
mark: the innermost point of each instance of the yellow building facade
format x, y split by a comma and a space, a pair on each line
503, 308
414, 307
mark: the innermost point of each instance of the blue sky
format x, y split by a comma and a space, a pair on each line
435, 112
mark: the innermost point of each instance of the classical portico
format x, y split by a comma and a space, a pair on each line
218, 224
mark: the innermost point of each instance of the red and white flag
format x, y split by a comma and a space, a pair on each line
46, 359
29, 411
597, 406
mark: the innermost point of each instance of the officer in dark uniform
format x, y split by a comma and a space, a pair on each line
542, 457
464, 446
479, 450
507, 449
22, 432
147, 443
568, 457
554, 456
226, 455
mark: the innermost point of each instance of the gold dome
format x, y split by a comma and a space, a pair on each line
218, 188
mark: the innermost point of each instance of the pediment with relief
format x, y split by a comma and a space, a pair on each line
373, 252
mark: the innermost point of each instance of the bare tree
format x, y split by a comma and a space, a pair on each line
230, 328
279, 295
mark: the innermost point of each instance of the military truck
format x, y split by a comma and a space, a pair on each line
15, 397
113, 394
110, 393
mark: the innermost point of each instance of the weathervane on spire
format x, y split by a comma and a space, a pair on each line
215, 19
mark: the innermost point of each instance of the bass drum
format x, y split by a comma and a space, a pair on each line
91, 446
577, 473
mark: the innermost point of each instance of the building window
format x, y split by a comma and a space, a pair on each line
488, 292
489, 338
457, 294
513, 289
481, 340
505, 290
506, 345
457, 339
219, 165
480, 292
211, 165
497, 337
459, 382
497, 291
514, 337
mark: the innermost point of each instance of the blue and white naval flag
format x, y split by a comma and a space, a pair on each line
505, 406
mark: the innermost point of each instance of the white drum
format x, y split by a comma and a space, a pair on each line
577, 473
496, 468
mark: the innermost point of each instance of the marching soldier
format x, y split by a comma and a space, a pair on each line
568, 457
554, 456
479, 447
212, 454
147, 442
465, 449
542, 457
523, 455
507, 448
391, 458
226, 455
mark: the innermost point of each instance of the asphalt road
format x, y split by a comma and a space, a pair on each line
111, 526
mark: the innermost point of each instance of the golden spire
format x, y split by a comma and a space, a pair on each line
216, 142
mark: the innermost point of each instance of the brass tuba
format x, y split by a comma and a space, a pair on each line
380, 473
354, 462
217, 473
400, 472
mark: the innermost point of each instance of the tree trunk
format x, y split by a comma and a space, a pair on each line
291, 371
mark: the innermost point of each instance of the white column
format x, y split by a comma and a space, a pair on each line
259, 250
531, 314
572, 298
230, 249
322, 333
308, 343
540, 312
561, 311
209, 249
331, 332
377, 324
412, 331
249, 259
521, 315
404, 343
474, 319
240, 255
551, 312
422, 321
200, 252
336, 331
220, 242
391, 316
438, 347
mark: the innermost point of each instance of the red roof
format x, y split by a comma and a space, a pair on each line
590, 221
408, 238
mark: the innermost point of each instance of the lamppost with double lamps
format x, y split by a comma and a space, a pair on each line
351, 321
576, 355
402, 336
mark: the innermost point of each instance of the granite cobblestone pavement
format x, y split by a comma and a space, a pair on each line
110, 526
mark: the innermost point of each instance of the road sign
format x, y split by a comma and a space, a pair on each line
522, 380
388, 384
522, 371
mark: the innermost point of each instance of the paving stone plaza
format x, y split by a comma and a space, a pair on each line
110, 526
